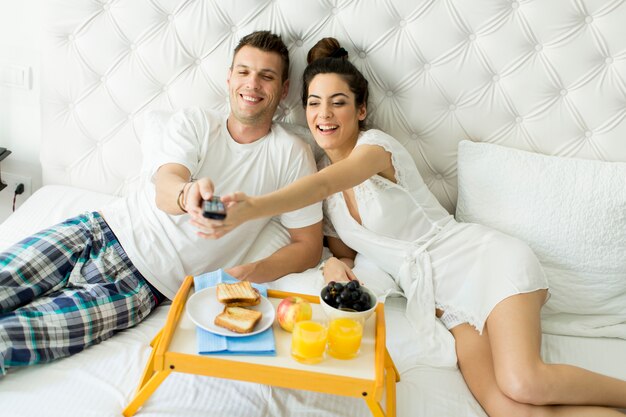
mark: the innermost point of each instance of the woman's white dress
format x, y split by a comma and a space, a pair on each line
464, 269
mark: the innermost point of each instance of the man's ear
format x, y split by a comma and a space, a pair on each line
230, 72
285, 89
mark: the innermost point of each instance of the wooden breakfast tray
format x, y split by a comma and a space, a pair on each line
174, 349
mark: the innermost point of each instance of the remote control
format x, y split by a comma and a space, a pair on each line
213, 209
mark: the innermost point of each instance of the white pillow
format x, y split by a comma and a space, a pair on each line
571, 212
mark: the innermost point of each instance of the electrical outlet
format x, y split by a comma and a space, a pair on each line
12, 181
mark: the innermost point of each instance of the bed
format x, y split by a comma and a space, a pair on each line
514, 111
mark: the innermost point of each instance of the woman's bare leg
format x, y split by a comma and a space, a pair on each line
515, 341
476, 364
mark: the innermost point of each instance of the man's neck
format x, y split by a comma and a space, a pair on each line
242, 133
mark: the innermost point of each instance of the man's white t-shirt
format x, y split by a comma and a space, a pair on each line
165, 248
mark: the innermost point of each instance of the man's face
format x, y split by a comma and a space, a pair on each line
255, 86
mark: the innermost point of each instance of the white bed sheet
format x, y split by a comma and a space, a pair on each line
101, 380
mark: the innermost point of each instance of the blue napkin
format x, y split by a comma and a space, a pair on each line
262, 344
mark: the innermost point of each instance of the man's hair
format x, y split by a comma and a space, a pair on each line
268, 42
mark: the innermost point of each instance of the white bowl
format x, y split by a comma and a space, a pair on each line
333, 313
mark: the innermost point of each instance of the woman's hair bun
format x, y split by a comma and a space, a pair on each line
326, 48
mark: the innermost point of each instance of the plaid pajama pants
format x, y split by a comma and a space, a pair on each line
66, 288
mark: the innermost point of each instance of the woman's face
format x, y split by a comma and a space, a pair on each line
332, 114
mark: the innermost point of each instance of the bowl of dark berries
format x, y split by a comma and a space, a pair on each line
347, 299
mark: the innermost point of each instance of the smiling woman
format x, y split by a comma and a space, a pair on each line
378, 205
333, 115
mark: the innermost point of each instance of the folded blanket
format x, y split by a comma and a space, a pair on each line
209, 343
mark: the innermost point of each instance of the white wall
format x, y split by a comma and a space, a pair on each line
20, 126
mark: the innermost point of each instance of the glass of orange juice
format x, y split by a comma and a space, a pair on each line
344, 337
308, 341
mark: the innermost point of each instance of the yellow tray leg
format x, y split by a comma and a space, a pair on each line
145, 392
388, 362
375, 407
149, 370
390, 384
154, 374
390, 378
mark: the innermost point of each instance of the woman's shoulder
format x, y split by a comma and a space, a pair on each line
405, 169
379, 138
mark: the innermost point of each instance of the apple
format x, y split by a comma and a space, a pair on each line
292, 310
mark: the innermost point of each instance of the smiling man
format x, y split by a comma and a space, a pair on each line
257, 83
204, 154
78, 282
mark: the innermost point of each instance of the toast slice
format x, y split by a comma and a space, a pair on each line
239, 294
238, 319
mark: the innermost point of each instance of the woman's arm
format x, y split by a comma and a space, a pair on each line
363, 162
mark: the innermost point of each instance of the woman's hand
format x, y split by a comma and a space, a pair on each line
336, 270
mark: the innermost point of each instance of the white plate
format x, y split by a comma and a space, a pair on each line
203, 307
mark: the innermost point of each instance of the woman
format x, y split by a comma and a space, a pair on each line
487, 288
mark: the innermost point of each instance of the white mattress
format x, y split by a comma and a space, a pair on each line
101, 380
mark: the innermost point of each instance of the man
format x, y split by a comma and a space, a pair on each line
77, 283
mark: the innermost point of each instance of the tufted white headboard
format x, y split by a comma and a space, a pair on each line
547, 76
